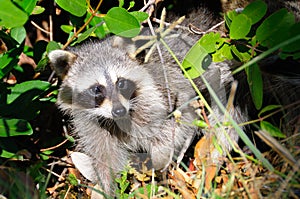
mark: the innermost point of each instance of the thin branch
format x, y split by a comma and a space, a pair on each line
40, 28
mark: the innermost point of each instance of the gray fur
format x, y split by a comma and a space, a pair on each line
150, 128
110, 142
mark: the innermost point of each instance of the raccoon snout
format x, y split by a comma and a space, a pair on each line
119, 111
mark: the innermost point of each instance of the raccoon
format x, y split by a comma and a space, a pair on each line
120, 107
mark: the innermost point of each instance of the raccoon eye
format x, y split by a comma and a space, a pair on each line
122, 84
126, 87
97, 90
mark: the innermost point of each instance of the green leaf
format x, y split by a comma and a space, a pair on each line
26, 5
140, 16
75, 7
7, 154
38, 10
273, 130
71, 178
268, 108
8, 61
18, 33
210, 42
196, 61
200, 123
121, 3
223, 54
27, 86
14, 127
295, 46
240, 54
131, 5
52, 45
67, 28
255, 82
45, 154
229, 17
10, 15
85, 35
255, 11
240, 27
22, 100
122, 23
275, 28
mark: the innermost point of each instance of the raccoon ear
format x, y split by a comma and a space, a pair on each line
60, 61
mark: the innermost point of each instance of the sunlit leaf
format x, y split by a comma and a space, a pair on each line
34, 85
240, 27
52, 45
223, 54
140, 16
38, 10
75, 7
85, 34
273, 130
67, 28
122, 23
10, 15
18, 33
26, 5
210, 42
196, 61
14, 127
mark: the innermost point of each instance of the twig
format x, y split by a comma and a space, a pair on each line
169, 24
197, 31
149, 3
54, 147
40, 28
52, 172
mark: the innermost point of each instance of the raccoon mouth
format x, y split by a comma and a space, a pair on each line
119, 127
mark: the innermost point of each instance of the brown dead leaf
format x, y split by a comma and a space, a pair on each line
179, 181
203, 149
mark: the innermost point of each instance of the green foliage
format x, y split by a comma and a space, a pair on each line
10, 15
122, 23
240, 27
14, 127
245, 42
23, 100
123, 185
197, 54
75, 7
255, 82
275, 28
255, 11
72, 179
273, 130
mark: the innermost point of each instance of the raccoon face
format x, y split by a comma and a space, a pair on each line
118, 93
112, 99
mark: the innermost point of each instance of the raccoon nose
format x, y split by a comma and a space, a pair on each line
118, 111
